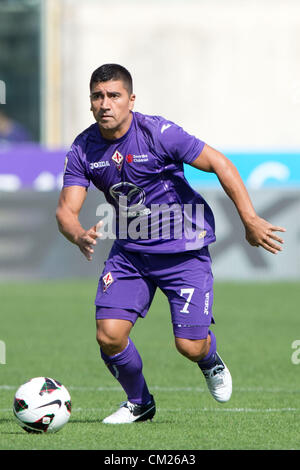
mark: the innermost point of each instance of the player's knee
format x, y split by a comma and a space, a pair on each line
193, 349
110, 342
107, 341
112, 335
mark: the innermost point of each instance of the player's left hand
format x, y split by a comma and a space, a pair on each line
260, 232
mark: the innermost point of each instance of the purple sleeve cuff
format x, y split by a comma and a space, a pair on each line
75, 181
195, 153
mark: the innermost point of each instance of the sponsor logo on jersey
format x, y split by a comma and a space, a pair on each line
129, 158
102, 164
118, 158
136, 158
107, 281
130, 199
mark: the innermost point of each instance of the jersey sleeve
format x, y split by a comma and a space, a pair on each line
177, 143
75, 173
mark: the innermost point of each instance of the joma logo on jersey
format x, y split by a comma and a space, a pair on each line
118, 158
99, 164
107, 281
206, 304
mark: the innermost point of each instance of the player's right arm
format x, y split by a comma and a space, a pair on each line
67, 215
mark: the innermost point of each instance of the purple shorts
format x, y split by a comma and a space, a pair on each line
129, 280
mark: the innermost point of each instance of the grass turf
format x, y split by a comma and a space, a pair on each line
48, 329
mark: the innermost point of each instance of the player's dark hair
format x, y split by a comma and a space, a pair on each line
112, 72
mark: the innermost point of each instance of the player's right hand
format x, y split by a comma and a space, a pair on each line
88, 239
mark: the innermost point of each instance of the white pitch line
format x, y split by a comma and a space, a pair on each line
187, 410
170, 389
204, 410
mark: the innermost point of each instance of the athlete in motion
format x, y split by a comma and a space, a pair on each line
137, 162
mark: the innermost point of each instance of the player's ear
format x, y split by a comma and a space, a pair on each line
131, 101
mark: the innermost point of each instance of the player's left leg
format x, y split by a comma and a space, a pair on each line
194, 349
187, 280
204, 353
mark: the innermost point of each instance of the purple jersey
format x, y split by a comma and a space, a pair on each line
141, 175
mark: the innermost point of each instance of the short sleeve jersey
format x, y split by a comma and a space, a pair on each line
142, 177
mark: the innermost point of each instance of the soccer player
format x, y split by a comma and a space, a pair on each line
162, 239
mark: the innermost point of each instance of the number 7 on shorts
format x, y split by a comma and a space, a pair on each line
189, 291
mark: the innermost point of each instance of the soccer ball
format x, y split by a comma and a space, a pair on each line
42, 405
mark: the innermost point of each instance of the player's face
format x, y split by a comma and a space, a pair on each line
111, 105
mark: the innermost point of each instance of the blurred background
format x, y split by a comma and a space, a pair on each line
228, 72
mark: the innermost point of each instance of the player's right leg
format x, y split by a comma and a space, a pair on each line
123, 295
112, 334
125, 364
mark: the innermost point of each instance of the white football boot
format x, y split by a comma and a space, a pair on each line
219, 381
132, 413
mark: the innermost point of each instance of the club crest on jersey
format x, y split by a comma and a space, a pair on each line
118, 159
107, 281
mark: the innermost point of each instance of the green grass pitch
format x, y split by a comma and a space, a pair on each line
48, 329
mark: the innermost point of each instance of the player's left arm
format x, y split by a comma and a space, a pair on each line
259, 232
